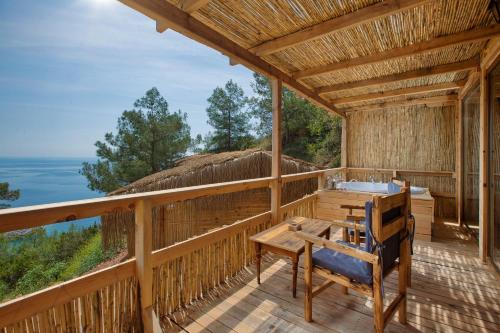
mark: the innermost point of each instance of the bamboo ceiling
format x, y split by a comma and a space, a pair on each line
324, 44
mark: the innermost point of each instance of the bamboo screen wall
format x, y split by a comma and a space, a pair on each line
410, 138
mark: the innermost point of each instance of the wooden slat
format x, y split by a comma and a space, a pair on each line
38, 215
415, 74
392, 228
28, 305
437, 43
187, 25
401, 92
429, 101
337, 24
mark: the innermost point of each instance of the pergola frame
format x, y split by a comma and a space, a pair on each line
167, 15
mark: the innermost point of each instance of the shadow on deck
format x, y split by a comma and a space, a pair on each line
452, 291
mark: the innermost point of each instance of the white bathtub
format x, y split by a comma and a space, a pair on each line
373, 187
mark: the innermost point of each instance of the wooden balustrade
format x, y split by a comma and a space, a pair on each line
163, 280
142, 284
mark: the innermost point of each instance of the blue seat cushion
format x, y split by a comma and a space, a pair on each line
336, 262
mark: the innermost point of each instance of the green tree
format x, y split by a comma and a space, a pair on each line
7, 194
149, 139
309, 133
228, 116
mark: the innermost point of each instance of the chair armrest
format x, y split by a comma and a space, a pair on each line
349, 224
347, 250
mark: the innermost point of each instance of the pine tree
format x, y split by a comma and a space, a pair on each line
228, 116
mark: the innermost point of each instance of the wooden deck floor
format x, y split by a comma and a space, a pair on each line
452, 292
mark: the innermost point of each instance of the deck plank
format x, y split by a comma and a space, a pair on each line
452, 291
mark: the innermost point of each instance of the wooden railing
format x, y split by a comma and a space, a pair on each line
154, 283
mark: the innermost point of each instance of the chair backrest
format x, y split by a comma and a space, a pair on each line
386, 220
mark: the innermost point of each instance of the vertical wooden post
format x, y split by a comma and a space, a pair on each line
144, 268
276, 87
378, 299
344, 161
459, 159
483, 167
308, 282
404, 257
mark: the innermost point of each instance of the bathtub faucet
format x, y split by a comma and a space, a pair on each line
371, 179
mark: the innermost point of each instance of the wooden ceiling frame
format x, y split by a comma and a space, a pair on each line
429, 101
438, 43
189, 6
361, 16
471, 64
183, 23
401, 92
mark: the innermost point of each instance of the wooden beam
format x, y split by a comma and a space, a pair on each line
190, 27
190, 6
483, 167
401, 92
476, 35
472, 82
430, 101
459, 159
419, 73
337, 24
276, 91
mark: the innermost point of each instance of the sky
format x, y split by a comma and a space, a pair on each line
69, 68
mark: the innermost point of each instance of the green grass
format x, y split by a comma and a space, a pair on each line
86, 258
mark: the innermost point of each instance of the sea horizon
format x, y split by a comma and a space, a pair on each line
44, 180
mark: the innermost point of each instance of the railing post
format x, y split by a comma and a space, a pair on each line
144, 267
276, 86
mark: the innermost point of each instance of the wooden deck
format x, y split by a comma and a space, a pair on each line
452, 292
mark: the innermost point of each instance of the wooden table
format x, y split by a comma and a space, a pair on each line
280, 240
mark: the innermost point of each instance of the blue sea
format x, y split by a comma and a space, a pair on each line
48, 180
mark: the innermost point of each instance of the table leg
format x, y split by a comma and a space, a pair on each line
257, 259
327, 236
295, 265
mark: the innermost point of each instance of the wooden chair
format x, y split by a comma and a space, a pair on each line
362, 268
354, 235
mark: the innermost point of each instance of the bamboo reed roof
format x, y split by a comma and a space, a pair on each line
323, 44
188, 168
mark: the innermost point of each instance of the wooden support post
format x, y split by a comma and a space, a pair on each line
308, 282
276, 86
483, 167
144, 268
459, 159
343, 149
